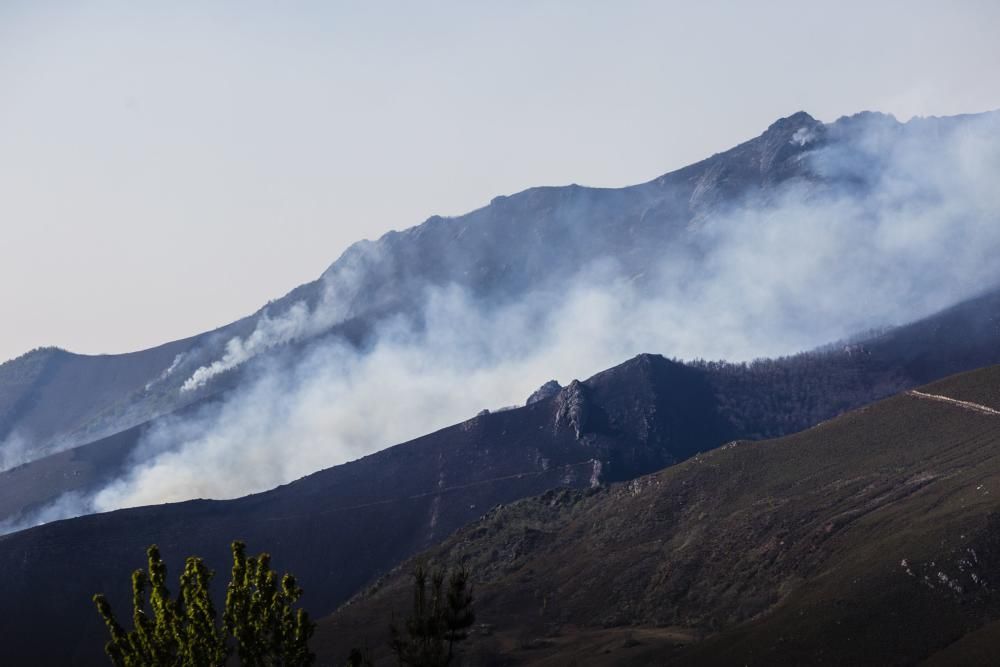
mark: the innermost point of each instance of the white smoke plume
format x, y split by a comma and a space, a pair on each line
168, 371
15, 449
268, 334
297, 322
807, 268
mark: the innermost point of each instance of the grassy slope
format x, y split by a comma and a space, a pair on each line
965, 388
776, 552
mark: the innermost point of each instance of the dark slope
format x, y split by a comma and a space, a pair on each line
499, 252
338, 528
870, 539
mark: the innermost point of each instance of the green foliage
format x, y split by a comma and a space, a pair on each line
259, 614
440, 618
258, 621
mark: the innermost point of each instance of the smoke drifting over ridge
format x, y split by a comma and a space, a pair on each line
886, 225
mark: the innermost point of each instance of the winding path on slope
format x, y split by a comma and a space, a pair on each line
967, 405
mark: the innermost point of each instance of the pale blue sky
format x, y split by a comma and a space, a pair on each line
168, 167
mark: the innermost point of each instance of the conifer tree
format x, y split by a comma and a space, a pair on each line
440, 619
259, 614
258, 621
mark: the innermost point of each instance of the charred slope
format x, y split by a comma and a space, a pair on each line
339, 528
499, 252
870, 539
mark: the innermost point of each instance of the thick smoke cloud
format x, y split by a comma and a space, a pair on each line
911, 227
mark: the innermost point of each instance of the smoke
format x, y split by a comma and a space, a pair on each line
67, 505
168, 371
269, 333
803, 136
340, 287
337, 404
15, 450
909, 227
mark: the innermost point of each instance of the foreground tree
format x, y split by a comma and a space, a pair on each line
440, 618
258, 621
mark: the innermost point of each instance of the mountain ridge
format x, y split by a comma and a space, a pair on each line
375, 280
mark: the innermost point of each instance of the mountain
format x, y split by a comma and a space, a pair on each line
343, 527
767, 398
534, 241
869, 539
340, 528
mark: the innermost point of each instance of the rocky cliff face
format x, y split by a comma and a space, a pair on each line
572, 409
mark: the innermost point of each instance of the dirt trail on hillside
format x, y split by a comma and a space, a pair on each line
975, 407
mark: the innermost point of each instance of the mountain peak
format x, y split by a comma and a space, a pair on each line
793, 122
800, 129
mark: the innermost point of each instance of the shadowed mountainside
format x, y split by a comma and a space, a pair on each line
870, 539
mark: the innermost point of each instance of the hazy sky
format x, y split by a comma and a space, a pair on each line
168, 167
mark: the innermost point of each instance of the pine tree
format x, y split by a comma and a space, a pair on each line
459, 615
439, 619
259, 614
258, 620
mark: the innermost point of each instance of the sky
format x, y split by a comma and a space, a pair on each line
166, 168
